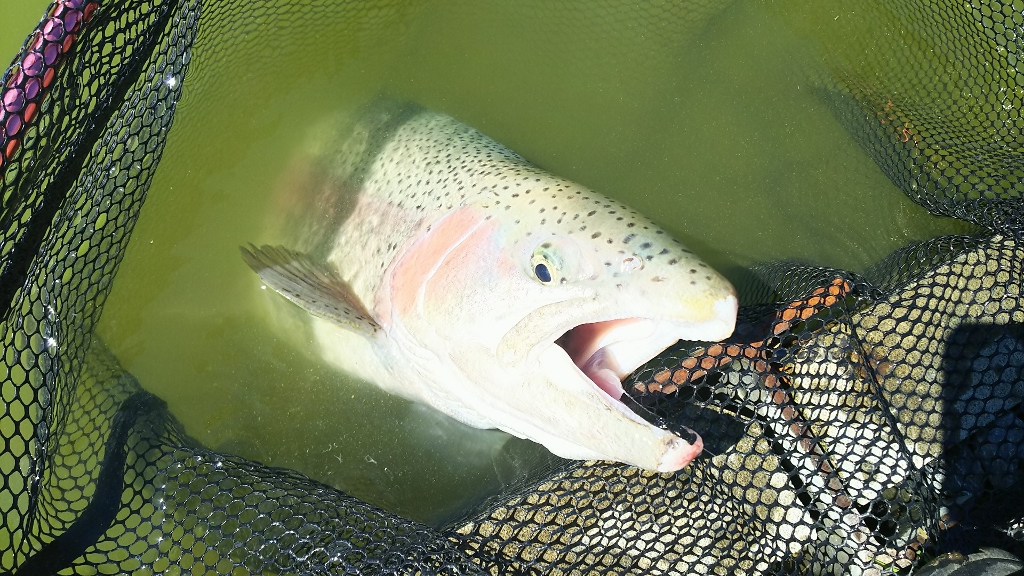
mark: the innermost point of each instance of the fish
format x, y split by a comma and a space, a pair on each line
443, 267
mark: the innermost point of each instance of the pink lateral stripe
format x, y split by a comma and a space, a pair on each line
418, 264
28, 81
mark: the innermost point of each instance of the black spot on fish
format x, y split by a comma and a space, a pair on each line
628, 238
645, 245
595, 235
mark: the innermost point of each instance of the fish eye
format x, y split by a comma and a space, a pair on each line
542, 272
554, 261
545, 265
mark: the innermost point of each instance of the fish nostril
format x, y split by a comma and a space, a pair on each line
632, 264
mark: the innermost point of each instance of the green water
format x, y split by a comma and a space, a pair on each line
705, 124
17, 18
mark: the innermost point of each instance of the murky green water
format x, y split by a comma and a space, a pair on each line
17, 18
705, 123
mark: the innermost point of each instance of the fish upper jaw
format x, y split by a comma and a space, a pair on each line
632, 334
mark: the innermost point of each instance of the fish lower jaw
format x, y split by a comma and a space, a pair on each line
671, 452
680, 453
606, 379
607, 352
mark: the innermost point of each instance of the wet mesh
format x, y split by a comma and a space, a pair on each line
854, 424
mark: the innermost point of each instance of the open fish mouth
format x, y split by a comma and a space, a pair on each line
607, 352
576, 402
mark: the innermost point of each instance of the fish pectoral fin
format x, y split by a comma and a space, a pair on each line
314, 288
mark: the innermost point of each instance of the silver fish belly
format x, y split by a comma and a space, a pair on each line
459, 275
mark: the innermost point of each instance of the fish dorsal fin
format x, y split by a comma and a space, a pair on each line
314, 288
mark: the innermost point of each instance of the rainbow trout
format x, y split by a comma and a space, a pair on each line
447, 269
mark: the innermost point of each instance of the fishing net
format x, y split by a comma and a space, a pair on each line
855, 423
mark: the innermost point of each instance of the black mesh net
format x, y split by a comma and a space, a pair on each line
855, 423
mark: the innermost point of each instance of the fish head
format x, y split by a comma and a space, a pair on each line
632, 285
543, 318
